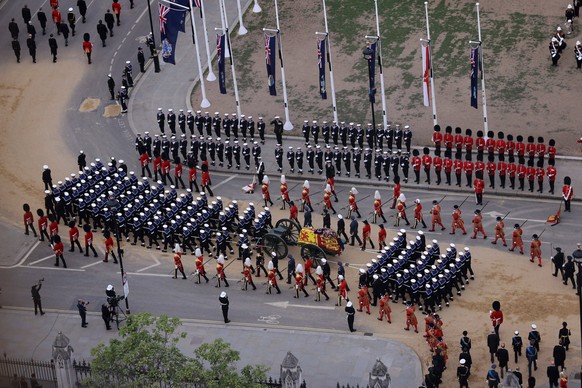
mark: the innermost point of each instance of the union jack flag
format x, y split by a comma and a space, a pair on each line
219, 47
319, 54
163, 20
267, 49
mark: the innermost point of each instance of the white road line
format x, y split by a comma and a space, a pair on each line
43, 259
224, 181
150, 266
34, 14
26, 255
92, 264
56, 268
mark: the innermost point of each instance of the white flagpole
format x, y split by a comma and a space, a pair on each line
333, 100
384, 108
485, 121
241, 27
257, 7
224, 28
432, 90
236, 96
288, 125
210, 77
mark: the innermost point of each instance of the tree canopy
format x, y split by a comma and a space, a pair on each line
147, 355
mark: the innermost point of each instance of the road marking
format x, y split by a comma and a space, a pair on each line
224, 181
25, 256
55, 268
43, 259
92, 264
270, 319
150, 266
287, 304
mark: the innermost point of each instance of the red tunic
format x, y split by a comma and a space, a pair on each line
293, 212
53, 229
158, 164
89, 238
144, 159
273, 278
490, 144
459, 141
426, 161
479, 167
352, 202
448, 140
500, 145
418, 212
178, 261
116, 8
416, 163
58, 249
567, 192
496, 317
480, 143
74, 233
205, 178
512, 168
491, 167
284, 192
458, 166
87, 47
437, 138
479, 186
56, 16
468, 140
468, 166
28, 218
366, 230
502, 168
438, 163
166, 166
200, 265
382, 236
192, 174
109, 244
42, 223
178, 170
448, 163
220, 271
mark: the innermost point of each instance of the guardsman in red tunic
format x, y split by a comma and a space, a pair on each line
426, 163
540, 173
551, 174
478, 224
480, 145
178, 169
530, 173
479, 169
109, 247
411, 319
206, 182
437, 138
116, 8
378, 212
381, 236
418, 214
448, 166
299, 281
458, 222
499, 232
521, 172
57, 18
305, 200
293, 211
272, 275
247, 275
284, 192
158, 166
516, 240
327, 199
468, 141
520, 149
192, 175
491, 169
490, 144
166, 168
536, 250
458, 167
468, 166
331, 183
220, 275
551, 150
58, 249
144, 161
512, 171
435, 212
89, 240
200, 270
395, 191
366, 233
438, 167
401, 210
500, 145
320, 284
28, 219
459, 141
178, 262
308, 269
42, 225
53, 227
510, 144
74, 237
448, 141
479, 187
385, 308
541, 150
567, 193
54, 4
342, 290
530, 148
502, 170
416, 162
265, 191
364, 300
352, 204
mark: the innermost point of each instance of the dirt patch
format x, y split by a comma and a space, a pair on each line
89, 104
112, 110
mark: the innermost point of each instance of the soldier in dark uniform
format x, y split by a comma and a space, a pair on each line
277, 129
319, 159
171, 120
407, 137
199, 122
182, 121
207, 123
405, 164
160, 116
220, 152
291, 159
279, 157
228, 153
335, 132
347, 158
325, 132
370, 135
310, 156
54, 47
183, 145
380, 135
299, 159
261, 129
42, 19
147, 142
389, 136
368, 162
246, 152
315, 131
353, 134
357, 157
337, 159
395, 162
398, 137
256, 152
378, 164
305, 130
216, 122
234, 125
386, 165
174, 147
236, 154
344, 132
360, 136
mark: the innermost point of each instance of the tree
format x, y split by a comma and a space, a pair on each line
147, 355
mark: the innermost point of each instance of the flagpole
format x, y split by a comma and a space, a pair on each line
210, 77
384, 109
485, 121
224, 28
288, 125
241, 28
205, 103
333, 100
257, 7
432, 90
236, 96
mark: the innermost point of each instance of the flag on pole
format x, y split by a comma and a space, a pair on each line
220, 47
170, 23
321, 58
197, 4
271, 61
474, 75
426, 73
183, 3
372, 73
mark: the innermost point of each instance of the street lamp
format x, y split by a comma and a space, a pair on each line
369, 56
152, 42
